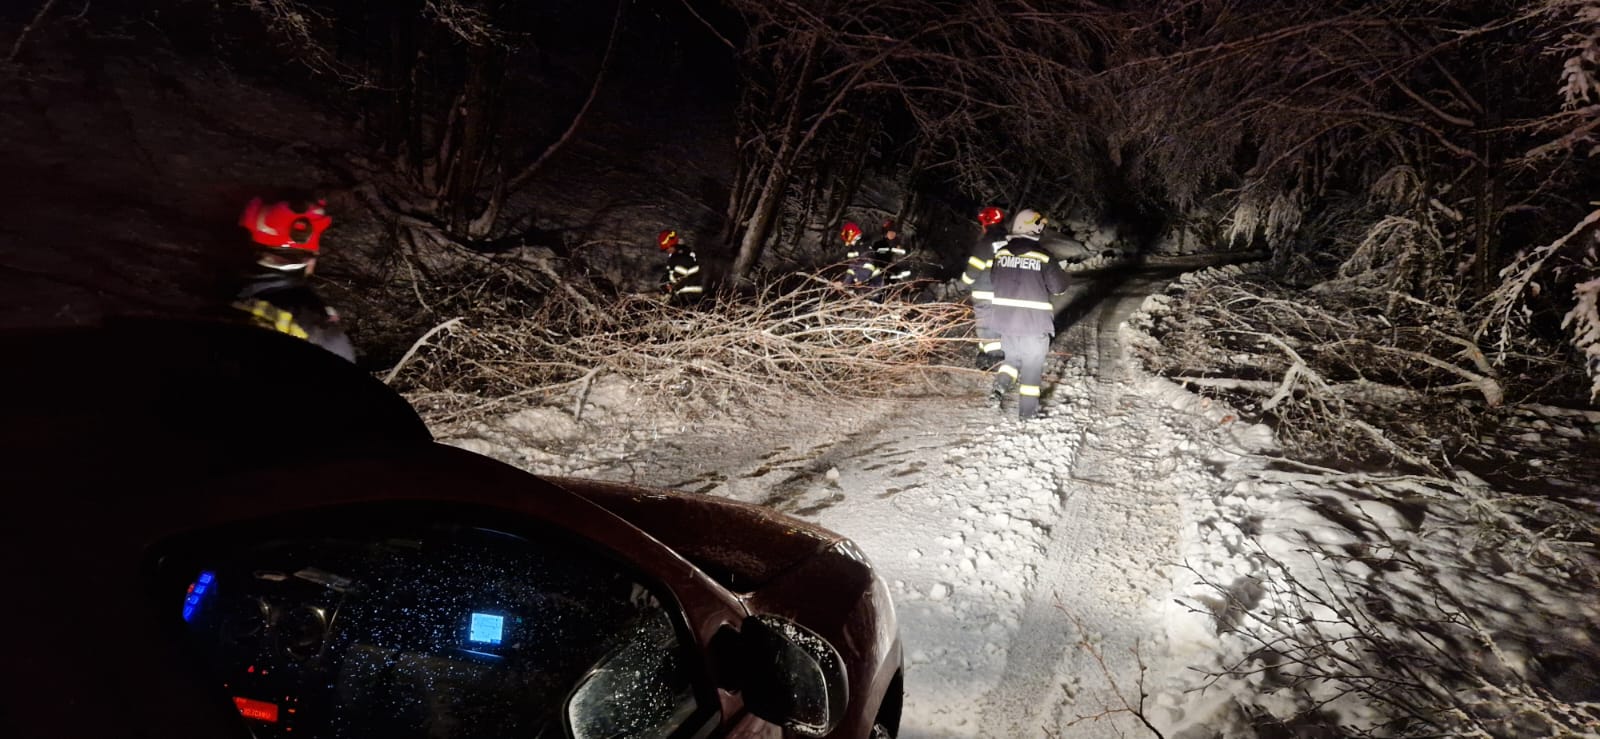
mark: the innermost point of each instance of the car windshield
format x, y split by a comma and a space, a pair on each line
436, 632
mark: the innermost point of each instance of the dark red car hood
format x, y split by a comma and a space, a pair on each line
742, 546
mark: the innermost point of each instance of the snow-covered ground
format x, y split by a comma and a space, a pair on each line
1048, 574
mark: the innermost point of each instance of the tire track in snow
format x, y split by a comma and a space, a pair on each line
1099, 567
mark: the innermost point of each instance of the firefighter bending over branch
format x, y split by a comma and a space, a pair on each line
863, 275
682, 284
890, 254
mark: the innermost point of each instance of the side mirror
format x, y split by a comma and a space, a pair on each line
791, 676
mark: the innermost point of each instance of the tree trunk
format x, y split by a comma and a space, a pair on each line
777, 176
1488, 202
755, 237
913, 201
397, 80
474, 135
856, 153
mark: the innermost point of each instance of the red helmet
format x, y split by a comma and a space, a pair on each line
284, 225
850, 232
667, 239
990, 216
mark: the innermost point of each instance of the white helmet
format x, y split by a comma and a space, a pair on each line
1028, 222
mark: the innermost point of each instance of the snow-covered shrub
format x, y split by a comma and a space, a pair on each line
1584, 323
1368, 604
1574, 257
1342, 378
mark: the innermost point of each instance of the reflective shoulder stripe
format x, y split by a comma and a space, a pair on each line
1034, 304
977, 263
982, 295
272, 317
1039, 255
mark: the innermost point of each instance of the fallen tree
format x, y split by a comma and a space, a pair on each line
803, 336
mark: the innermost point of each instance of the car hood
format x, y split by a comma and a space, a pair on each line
742, 546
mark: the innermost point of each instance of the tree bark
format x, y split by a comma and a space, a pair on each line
777, 176
476, 124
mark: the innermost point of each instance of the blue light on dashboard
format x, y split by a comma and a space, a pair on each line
486, 628
198, 588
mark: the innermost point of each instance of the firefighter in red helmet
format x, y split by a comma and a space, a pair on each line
976, 278
863, 275
682, 284
277, 294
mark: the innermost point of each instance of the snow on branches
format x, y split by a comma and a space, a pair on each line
1342, 380
809, 338
1508, 313
1579, 84
1584, 323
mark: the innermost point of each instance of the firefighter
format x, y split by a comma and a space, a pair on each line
850, 233
682, 284
891, 255
277, 294
863, 275
1023, 278
976, 278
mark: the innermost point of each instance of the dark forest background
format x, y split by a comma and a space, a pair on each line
1434, 152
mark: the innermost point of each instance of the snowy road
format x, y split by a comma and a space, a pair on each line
1030, 563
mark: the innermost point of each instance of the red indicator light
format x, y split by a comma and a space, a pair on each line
251, 668
258, 710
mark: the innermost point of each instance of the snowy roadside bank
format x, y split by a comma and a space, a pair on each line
1380, 604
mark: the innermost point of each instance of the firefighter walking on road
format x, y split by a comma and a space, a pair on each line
1024, 276
682, 284
976, 278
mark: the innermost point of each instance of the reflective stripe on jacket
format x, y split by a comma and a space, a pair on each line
287, 304
683, 274
976, 276
863, 272
1024, 277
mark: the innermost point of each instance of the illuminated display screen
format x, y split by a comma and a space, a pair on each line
486, 628
197, 590
258, 710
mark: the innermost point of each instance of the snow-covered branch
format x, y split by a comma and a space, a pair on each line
808, 337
